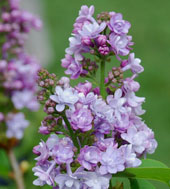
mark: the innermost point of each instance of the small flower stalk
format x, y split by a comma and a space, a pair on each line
95, 129
18, 72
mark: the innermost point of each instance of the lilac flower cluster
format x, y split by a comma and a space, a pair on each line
94, 131
18, 70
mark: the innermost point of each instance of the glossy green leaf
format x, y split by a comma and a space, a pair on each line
141, 184
152, 163
150, 169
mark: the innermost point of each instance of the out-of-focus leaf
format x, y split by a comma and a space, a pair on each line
150, 169
152, 163
141, 184
4, 171
119, 185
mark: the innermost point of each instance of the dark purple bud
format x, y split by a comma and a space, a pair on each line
96, 90
102, 39
86, 41
124, 63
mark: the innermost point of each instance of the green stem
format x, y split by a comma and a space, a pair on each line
102, 78
72, 134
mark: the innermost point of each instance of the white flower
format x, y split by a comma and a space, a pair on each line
130, 157
92, 30
64, 97
95, 180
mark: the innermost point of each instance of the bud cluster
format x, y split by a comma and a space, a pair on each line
114, 79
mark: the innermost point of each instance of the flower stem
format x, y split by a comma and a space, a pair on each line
17, 171
102, 78
72, 135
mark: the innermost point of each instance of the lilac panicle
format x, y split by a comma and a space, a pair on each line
18, 70
95, 129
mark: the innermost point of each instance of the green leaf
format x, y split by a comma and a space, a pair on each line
140, 184
150, 169
4, 164
4, 171
152, 163
119, 185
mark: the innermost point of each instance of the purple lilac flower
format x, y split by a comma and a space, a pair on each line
103, 143
95, 180
63, 151
120, 44
89, 157
64, 97
81, 119
65, 82
118, 25
92, 30
130, 85
76, 48
102, 110
133, 64
1, 117
102, 125
25, 98
130, 157
43, 152
66, 181
112, 161
140, 140
101, 131
16, 125
84, 88
46, 173
132, 100
85, 14
88, 99
117, 103
73, 67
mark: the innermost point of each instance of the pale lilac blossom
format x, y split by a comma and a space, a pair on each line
112, 161
118, 25
89, 157
64, 97
81, 119
16, 125
120, 44
133, 64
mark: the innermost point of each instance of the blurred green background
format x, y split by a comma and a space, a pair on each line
150, 21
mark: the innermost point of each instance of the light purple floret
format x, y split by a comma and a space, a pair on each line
89, 157
46, 173
133, 64
63, 151
25, 98
120, 44
118, 25
142, 139
74, 68
81, 119
64, 97
112, 161
16, 125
